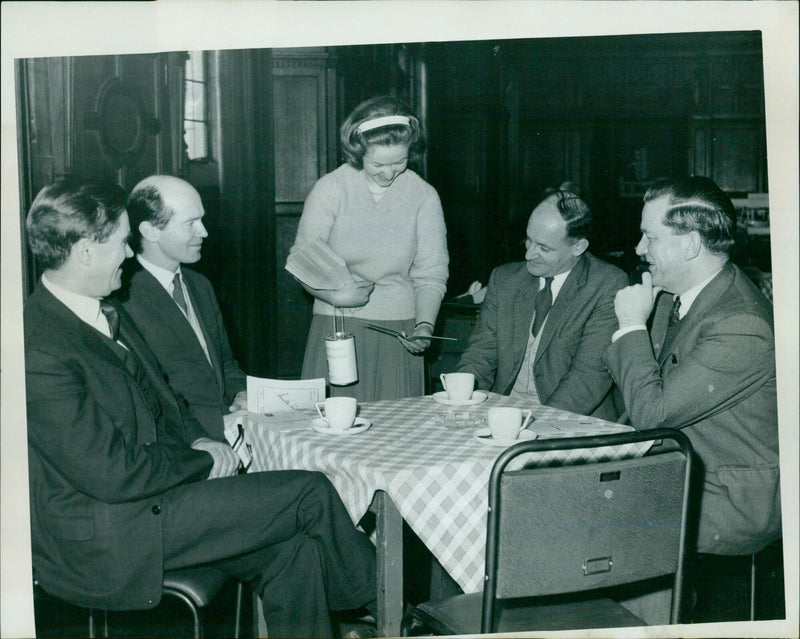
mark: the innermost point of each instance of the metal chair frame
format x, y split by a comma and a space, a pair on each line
181, 594
489, 598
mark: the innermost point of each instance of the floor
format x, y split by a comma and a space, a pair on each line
723, 587
170, 618
723, 595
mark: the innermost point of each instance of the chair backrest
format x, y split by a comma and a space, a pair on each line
567, 529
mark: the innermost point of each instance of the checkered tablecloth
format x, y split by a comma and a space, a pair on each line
437, 476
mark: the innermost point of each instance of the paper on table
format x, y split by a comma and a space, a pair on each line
268, 396
316, 265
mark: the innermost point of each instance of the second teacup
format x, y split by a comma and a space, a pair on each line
339, 412
458, 385
505, 422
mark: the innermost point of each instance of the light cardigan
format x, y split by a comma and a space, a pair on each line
398, 242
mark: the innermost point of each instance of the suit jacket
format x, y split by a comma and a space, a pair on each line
209, 388
716, 381
100, 460
568, 368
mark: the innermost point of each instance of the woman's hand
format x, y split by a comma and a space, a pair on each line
423, 329
352, 295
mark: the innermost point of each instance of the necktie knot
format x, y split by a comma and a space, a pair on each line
177, 293
112, 317
541, 305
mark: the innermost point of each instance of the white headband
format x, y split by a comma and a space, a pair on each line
385, 120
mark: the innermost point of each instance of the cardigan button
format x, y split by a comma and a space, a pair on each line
156, 510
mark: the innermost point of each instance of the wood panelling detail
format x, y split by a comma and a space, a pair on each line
297, 140
294, 317
305, 129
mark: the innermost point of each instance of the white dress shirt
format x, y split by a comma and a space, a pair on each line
86, 308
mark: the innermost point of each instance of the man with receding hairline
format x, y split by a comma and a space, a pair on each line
544, 322
175, 308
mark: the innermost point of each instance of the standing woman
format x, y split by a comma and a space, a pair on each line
387, 224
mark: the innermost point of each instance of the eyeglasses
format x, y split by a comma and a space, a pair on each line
243, 449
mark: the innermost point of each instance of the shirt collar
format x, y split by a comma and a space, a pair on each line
558, 282
86, 308
164, 276
688, 298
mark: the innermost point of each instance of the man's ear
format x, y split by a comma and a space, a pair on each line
82, 251
148, 231
579, 248
692, 243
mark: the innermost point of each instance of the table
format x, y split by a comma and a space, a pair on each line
418, 470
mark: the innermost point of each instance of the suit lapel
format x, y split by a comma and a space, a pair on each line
658, 330
524, 298
707, 299
201, 311
165, 312
561, 306
76, 330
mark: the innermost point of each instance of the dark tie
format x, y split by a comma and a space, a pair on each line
673, 325
112, 317
128, 357
177, 293
541, 305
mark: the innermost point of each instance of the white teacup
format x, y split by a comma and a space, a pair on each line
339, 412
505, 422
458, 385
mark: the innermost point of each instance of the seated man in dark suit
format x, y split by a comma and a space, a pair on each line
124, 483
544, 322
707, 364
175, 308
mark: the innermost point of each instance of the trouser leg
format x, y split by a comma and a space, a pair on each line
286, 532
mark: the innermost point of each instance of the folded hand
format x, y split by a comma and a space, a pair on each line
634, 304
226, 462
239, 402
353, 294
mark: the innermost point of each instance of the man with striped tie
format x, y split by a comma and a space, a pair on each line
544, 322
175, 308
124, 484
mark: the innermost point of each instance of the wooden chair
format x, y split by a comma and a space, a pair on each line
195, 587
558, 537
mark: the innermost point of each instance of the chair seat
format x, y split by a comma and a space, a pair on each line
199, 584
462, 614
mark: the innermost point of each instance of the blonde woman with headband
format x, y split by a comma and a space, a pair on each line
387, 224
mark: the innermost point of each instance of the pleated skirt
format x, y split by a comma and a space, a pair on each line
386, 370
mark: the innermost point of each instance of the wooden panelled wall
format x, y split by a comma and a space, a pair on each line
120, 118
511, 118
305, 149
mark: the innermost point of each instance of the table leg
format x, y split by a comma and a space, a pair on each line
389, 531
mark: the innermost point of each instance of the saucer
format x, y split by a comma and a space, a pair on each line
478, 397
484, 436
359, 426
